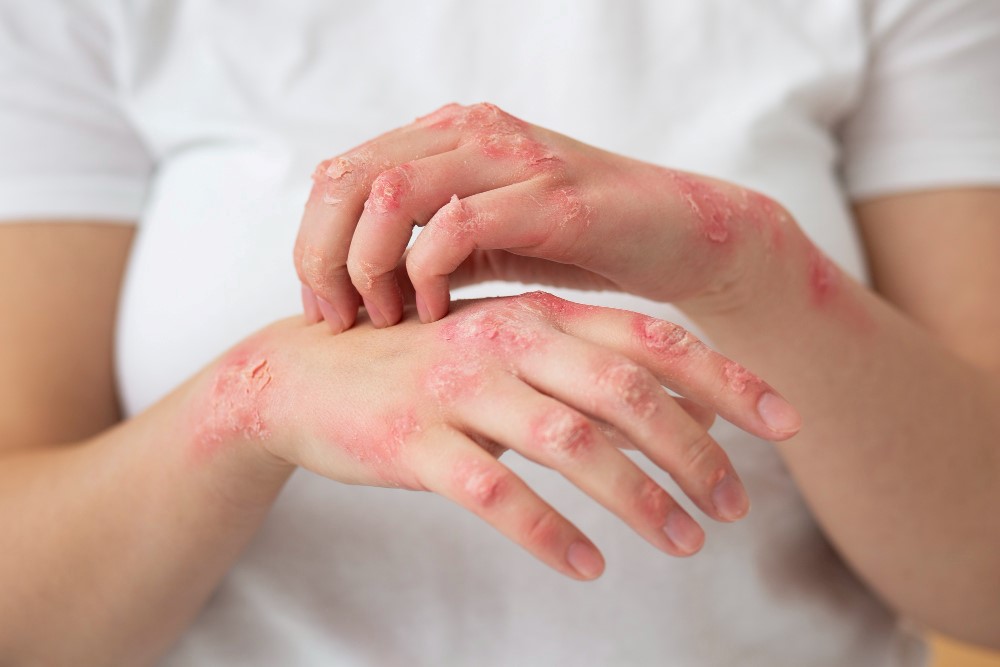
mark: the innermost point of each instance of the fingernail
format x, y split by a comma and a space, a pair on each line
422, 309
310, 306
331, 315
375, 314
778, 414
584, 558
682, 530
729, 498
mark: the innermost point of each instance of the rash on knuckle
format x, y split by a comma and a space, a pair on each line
365, 275
319, 267
482, 484
563, 434
390, 189
631, 387
665, 339
651, 502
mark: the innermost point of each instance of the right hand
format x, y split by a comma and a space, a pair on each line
431, 407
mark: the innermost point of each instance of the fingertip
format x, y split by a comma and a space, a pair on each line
310, 306
779, 415
422, 309
585, 559
684, 533
375, 314
330, 314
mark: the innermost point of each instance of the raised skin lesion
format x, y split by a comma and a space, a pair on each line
498, 134
235, 407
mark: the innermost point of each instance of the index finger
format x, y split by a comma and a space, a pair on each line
341, 185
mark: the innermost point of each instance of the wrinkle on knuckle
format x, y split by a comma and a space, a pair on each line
563, 434
631, 386
543, 528
699, 451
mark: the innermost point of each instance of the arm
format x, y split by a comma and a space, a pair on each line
114, 538
900, 394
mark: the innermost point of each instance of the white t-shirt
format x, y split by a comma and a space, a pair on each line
204, 119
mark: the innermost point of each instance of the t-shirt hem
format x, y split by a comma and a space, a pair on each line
105, 199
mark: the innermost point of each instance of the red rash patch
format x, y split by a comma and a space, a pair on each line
737, 377
388, 190
664, 339
653, 503
823, 277
482, 483
562, 433
553, 305
720, 213
236, 404
710, 206
454, 380
379, 451
499, 134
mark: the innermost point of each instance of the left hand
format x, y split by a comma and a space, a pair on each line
504, 199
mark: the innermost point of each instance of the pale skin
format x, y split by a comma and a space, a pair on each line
118, 530
176, 502
898, 384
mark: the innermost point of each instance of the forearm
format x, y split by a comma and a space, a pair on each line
113, 544
898, 452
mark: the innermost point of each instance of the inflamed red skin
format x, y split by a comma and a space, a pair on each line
501, 198
432, 407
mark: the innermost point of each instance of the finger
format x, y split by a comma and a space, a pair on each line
340, 187
615, 389
458, 469
687, 366
523, 218
702, 416
555, 435
409, 195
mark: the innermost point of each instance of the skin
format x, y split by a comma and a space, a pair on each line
152, 511
898, 459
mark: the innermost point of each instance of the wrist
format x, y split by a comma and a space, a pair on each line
231, 423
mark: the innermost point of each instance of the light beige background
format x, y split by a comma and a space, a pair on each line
948, 653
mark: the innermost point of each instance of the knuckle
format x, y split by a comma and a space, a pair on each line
563, 433
631, 387
699, 452
665, 338
737, 377
543, 528
570, 207
652, 503
318, 267
458, 219
364, 274
482, 484
390, 189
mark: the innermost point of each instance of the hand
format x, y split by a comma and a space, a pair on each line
431, 407
503, 199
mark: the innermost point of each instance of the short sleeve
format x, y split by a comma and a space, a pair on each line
929, 112
67, 150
